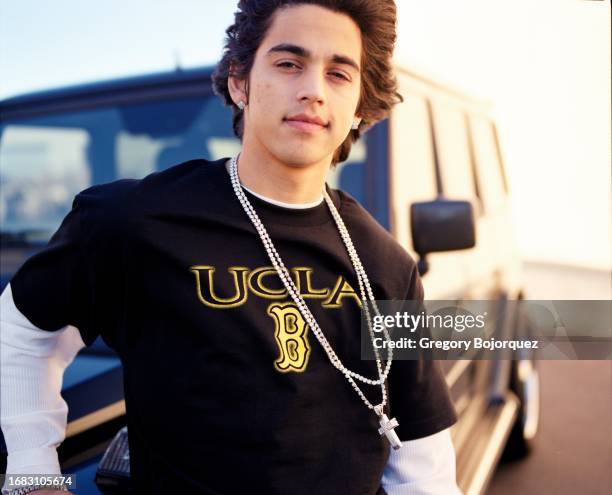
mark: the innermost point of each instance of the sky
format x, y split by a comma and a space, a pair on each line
544, 64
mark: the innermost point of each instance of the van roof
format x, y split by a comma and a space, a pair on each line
152, 79
100, 91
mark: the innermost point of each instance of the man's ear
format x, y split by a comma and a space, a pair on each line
236, 87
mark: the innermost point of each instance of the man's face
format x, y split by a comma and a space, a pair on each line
304, 69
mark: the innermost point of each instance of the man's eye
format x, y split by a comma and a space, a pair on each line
286, 64
340, 75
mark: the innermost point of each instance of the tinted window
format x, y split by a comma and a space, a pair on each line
350, 174
46, 161
41, 169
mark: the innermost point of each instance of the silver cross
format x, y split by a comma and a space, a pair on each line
387, 427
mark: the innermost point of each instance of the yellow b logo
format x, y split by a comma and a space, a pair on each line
290, 331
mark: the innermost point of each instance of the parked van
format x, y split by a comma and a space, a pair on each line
436, 162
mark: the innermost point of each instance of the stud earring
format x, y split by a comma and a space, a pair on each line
241, 105
355, 125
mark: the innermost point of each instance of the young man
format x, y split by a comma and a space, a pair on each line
232, 290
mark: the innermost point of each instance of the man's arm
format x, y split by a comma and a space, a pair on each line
56, 303
33, 414
425, 466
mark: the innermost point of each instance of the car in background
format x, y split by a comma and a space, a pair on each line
437, 157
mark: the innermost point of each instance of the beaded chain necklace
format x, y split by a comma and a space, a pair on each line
386, 425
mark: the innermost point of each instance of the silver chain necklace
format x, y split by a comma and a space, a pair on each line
386, 425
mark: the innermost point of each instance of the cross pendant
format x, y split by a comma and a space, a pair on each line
387, 428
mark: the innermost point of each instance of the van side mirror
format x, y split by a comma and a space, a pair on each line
441, 225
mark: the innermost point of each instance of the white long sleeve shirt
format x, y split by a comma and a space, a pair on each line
33, 414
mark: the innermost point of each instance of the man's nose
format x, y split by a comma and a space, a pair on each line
312, 86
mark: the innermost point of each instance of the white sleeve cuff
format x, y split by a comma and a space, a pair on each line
425, 466
41, 460
38, 461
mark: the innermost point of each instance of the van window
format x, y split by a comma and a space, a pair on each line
488, 162
350, 174
45, 161
159, 134
413, 175
41, 170
453, 153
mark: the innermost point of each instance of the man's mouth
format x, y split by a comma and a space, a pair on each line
306, 123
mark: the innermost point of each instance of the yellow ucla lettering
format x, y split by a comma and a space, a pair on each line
246, 280
256, 286
290, 332
341, 290
206, 293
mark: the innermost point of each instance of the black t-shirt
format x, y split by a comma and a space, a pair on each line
227, 389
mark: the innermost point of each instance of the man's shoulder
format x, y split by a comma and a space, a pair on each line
182, 174
114, 208
376, 246
367, 227
122, 194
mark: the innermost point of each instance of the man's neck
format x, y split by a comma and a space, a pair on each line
296, 206
285, 183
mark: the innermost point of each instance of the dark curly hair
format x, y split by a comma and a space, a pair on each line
376, 20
